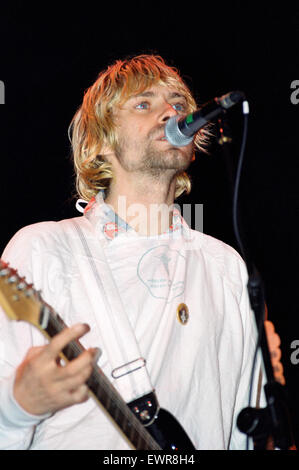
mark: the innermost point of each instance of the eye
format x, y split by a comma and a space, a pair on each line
142, 105
180, 107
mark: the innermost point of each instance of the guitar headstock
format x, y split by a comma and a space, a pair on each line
18, 298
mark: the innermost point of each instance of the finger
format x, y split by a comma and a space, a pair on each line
272, 337
75, 381
58, 342
77, 372
80, 366
97, 355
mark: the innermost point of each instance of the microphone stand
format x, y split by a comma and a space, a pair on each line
273, 421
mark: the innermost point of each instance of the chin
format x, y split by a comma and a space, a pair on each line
178, 159
170, 158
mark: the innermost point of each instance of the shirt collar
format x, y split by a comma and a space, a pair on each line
108, 224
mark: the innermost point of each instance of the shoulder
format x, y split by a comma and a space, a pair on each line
37, 246
219, 257
41, 234
214, 248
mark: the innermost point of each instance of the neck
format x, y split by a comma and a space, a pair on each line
146, 204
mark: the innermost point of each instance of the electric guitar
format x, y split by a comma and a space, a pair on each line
142, 428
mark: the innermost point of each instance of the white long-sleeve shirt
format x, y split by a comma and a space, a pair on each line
200, 370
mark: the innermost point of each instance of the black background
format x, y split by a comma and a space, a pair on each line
51, 52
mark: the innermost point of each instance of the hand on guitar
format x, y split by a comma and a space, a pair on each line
273, 340
43, 386
275, 351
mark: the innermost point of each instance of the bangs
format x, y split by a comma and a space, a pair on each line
133, 77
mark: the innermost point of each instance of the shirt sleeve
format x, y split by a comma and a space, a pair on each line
16, 425
257, 379
16, 338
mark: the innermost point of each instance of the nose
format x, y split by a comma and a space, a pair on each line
167, 112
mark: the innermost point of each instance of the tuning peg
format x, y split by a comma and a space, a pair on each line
21, 285
13, 278
29, 290
4, 271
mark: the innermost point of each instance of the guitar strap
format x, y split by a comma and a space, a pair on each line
129, 368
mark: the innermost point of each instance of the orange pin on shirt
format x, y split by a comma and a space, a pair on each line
182, 313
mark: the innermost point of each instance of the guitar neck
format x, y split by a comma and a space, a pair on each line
100, 387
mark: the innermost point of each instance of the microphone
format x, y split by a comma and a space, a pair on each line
179, 131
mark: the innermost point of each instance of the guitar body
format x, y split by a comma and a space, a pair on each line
168, 432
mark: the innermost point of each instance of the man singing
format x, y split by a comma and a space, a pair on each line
131, 278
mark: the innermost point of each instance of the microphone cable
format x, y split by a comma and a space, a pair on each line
238, 177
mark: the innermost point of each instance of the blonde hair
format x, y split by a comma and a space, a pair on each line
93, 126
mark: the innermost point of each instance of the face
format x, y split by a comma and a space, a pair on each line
140, 122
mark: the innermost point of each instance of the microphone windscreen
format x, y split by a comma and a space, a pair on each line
173, 133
